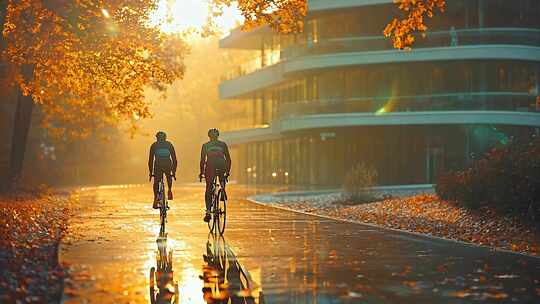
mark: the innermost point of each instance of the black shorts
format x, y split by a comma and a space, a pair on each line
162, 167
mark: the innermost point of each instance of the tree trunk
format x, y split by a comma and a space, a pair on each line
21, 126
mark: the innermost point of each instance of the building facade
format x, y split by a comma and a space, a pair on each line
315, 104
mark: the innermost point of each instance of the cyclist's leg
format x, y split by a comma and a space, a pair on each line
156, 187
209, 177
158, 175
221, 175
169, 183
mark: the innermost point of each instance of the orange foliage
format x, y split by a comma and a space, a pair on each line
285, 16
88, 62
416, 12
31, 225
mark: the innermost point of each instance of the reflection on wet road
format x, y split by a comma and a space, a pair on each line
225, 279
272, 256
163, 289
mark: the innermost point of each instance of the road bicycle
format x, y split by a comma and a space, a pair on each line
218, 208
163, 204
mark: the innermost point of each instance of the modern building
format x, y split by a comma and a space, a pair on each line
308, 107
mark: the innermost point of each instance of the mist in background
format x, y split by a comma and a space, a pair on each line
191, 107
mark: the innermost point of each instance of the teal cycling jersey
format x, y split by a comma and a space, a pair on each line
162, 154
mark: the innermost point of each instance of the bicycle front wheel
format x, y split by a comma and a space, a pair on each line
221, 211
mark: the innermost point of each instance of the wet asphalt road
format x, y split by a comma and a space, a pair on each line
269, 255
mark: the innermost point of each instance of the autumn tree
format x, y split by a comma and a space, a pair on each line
87, 63
285, 16
416, 12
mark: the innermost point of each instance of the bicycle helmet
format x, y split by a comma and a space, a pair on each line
161, 136
213, 132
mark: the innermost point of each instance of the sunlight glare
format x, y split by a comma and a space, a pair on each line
105, 13
175, 16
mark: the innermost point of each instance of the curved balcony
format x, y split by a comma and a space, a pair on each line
477, 101
452, 38
257, 80
471, 52
321, 5
474, 44
343, 120
257, 133
501, 108
410, 118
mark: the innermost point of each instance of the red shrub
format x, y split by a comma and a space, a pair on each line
506, 178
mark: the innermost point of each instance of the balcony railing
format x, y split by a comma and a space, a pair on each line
244, 69
506, 36
488, 101
512, 36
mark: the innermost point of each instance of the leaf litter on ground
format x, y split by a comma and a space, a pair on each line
31, 226
427, 214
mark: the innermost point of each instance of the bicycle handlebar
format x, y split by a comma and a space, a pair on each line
226, 176
152, 175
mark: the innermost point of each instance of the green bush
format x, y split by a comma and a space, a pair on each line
359, 181
506, 178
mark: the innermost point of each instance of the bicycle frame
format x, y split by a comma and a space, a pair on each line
163, 205
219, 213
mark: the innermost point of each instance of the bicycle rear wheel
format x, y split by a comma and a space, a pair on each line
212, 221
221, 211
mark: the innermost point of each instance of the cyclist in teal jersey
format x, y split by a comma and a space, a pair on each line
162, 160
215, 160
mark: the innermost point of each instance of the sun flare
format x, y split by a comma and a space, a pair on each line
175, 16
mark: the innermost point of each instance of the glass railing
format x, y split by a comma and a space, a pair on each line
485, 101
515, 36
244, 68
271, 58
509, 36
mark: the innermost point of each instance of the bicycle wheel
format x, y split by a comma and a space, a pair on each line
212, 221
221, 211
